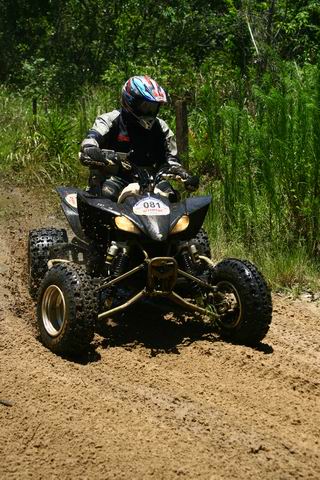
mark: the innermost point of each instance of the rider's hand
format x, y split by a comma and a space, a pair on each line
174, 171
192, 183
95, 154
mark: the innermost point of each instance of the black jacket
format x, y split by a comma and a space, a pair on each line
117, 131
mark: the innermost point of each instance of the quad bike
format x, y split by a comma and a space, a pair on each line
145, 246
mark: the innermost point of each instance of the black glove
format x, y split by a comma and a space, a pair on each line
174, 170
192, 183
94, 153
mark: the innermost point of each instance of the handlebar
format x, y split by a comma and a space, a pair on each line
122, 159
170, 176
117, 158
191, 183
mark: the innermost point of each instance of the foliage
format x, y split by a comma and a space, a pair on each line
38, 148
63, 45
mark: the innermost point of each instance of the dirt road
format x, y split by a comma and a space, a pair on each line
153, 399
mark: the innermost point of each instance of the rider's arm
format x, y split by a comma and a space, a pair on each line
170, 144
97, 138
98, 135
172, 161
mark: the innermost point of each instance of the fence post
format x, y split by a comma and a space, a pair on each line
34, 111
182, 131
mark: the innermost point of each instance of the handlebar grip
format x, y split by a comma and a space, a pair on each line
117, 158
109, 155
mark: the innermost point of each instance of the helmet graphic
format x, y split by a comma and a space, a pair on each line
142, 97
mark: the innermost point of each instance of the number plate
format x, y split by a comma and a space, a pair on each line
151, 206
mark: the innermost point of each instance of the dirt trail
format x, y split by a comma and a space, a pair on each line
153, 399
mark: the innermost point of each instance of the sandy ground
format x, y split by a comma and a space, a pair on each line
153, 399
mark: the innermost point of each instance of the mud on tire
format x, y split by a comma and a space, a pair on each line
67, 309
39, 244
248, 320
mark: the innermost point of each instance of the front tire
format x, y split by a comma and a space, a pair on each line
67, 310
243, 301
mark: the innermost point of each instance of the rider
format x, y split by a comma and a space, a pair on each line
134, 128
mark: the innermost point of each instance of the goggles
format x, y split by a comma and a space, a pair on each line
148, 108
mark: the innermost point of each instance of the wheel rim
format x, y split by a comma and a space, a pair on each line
53, 310
230, 308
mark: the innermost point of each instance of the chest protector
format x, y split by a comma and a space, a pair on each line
148, 145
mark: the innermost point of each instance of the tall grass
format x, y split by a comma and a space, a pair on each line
43, 147
262, 161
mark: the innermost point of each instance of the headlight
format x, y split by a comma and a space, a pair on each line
123, 223
181, 225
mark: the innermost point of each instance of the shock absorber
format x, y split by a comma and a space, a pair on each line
119, 263
188, 266
186, 262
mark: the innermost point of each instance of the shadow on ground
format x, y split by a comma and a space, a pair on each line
158, 331
149, 326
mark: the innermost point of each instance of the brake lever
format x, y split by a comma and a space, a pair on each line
126, 166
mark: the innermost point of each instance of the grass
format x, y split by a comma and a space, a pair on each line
284, 270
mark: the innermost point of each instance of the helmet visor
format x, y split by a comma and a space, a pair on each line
147, 108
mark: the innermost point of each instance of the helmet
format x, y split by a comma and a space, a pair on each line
141, 96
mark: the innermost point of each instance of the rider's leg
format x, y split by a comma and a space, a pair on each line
95, 182
112, 187
168, 191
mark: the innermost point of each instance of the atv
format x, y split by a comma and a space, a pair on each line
145, 246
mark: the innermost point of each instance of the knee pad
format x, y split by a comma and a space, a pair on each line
172, 194
110, 190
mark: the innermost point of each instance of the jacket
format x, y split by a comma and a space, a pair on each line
117, 131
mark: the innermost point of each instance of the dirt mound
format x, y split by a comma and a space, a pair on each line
155, 398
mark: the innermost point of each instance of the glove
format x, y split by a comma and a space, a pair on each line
192, 183
95, 154
174, 170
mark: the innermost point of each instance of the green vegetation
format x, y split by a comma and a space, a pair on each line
250, 74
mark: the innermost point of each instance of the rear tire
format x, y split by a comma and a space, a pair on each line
201, 240
243, 301
67, 310
39, 244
